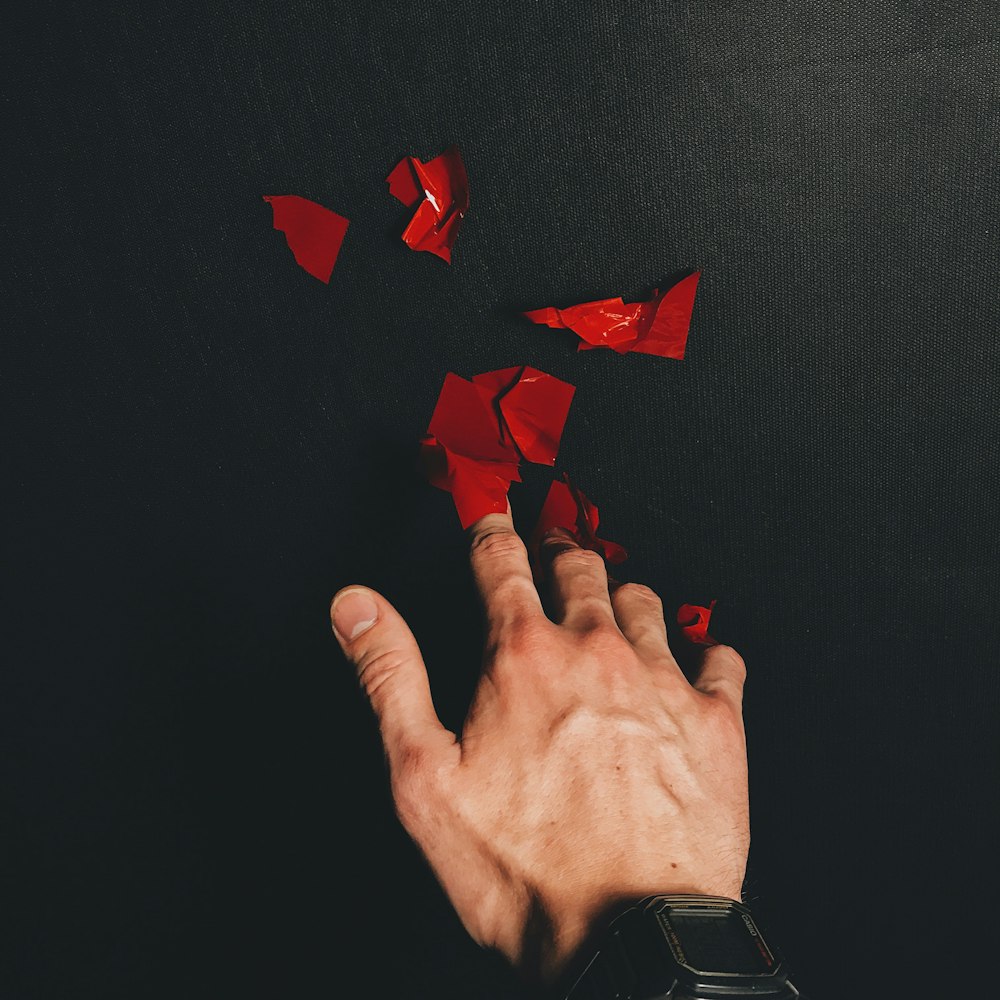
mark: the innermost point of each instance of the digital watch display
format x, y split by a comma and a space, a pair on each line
684, 947
712, 939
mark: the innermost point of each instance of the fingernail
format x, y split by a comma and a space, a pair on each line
353, 613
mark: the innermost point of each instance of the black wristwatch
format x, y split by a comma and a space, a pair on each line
684, 948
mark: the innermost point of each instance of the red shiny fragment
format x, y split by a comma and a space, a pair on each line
658, 325
439, 190
566, 507
534, 407
693, 620
314, 233
465, 422
477, 486
481, 429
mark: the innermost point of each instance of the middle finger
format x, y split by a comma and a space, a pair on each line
577, 582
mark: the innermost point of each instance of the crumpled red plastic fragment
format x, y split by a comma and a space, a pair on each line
439, 190
566, 507
314, 233
693, 620
481, 430
658, 325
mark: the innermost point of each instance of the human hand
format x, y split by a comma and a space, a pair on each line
589, 772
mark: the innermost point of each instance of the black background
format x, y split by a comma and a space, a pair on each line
205, 443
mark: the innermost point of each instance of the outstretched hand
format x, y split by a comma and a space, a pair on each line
589, 772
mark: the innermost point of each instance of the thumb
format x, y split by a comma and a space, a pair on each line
722, 674
380, 645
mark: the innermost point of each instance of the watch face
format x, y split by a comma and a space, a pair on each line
716, 941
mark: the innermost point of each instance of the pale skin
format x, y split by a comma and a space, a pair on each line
589, 772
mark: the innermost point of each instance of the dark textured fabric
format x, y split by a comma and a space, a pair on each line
205, 443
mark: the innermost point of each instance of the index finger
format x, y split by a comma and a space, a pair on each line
502, 572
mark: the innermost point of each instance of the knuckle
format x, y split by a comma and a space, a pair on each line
512, 591
577, 558
496, 543
528, 640
639, 592
651, 633
738, 667
377, 667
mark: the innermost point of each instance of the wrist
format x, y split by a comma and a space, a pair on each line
571, 934
678, 945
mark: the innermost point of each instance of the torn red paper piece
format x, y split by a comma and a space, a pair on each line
693, 620
481, 429
477, 486
533, 406
439, 190
566, 507
658, 325
314, 233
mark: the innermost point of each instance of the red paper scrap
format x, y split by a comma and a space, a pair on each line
658, 325
566, 507
533, 406
314, 233
693, 620
439, 190
481, 430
